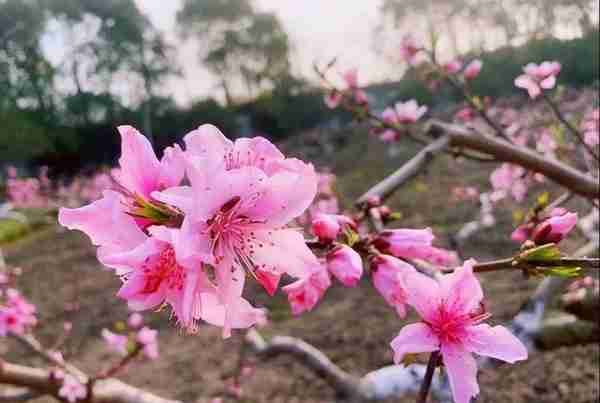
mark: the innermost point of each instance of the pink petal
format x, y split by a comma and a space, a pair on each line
104, 222
134, 258
422, 293
548, 83
284, 251
140, 169
496, 342
288, 193
207, 141
461, 290
462, 372
414, 338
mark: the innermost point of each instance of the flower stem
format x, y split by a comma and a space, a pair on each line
426, 385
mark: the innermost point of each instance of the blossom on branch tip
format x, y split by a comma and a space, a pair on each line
345, 264
149, 341
333, 99
555, 228
116, 342
473, 69
409, 112
453, 66
538, 77
16, 313
409, 49
452, 316
72, 390
413, 244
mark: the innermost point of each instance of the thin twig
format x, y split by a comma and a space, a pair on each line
569, 126
426, 385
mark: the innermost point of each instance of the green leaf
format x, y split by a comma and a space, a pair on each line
542, 253
351, 237
563, 271
396, 215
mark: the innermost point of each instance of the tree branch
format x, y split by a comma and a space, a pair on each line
558, 172
103, 391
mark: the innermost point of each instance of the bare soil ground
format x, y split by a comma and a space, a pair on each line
353, 327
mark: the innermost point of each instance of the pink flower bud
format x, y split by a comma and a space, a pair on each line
326, 227
304, 294
453, 67
554, 229
473, 69
386, 272
345, 264
135, 320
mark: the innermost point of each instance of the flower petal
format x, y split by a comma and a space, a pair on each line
461, 290
496, 342
462, 372
414, 338
422, 293
140, 169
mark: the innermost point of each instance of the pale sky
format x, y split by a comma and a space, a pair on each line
319, 31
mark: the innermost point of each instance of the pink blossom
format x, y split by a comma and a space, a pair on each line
148, 339
333, 99
509, 178
303, 294
546, 143
360, 97
413, 244
409, 49
386, 274
555, 228
135, 320
409, 112
389, 116
116, 342
345, 264
326, 227
452, 316
350, 76
591, 127
473, 69
389, 136
235, 220
522, 233
453, 66
465, 114
538, 77
72, 390
17, 314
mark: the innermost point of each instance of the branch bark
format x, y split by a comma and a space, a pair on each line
103, 391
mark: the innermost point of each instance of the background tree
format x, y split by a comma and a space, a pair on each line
242, 47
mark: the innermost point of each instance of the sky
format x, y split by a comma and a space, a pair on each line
319, 31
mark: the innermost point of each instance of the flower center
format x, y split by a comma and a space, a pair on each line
163, 270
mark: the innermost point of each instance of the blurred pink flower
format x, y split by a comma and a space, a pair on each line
72, 390
17, 315
148, 339
473, 69
350, 76
333, 99
538, 77
452, 317
135, 320
555, 228
116, 342
409, 112
409, 49
453, 66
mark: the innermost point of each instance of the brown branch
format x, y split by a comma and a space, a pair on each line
103, 391
512, 264
406, 172
19, 395
307, 355
560, 173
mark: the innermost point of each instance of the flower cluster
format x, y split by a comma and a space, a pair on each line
17, 315
140, 338
191, 244
43, 192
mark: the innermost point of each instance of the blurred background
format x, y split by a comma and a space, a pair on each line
71, 70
